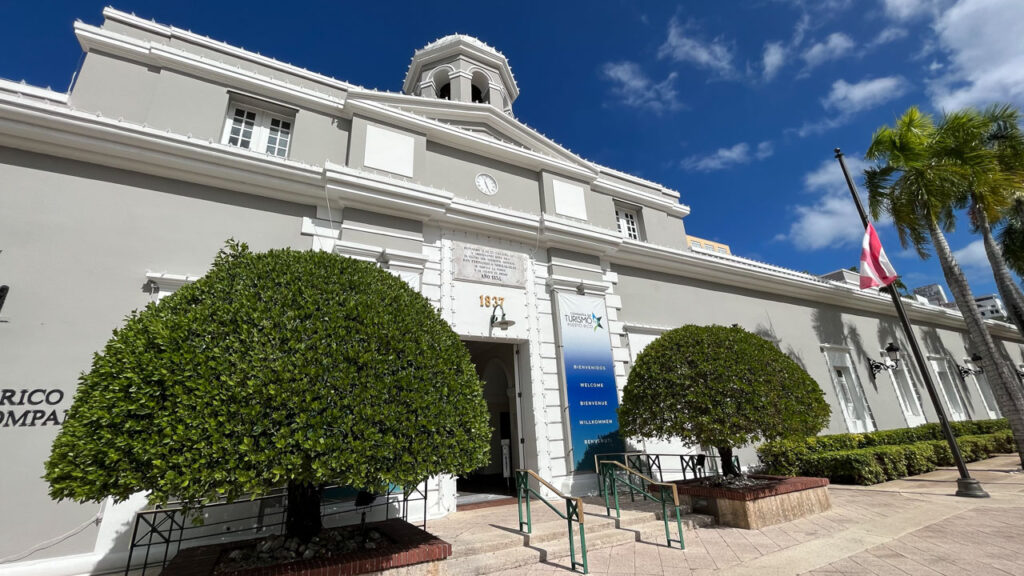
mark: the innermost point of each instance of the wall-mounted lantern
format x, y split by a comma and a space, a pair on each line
890, 361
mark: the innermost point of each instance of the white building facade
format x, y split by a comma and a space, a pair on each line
169, 143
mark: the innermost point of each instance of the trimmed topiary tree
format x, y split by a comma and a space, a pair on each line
721, 387
283, 368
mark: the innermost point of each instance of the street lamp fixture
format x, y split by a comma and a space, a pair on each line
503, 323
889, 362
965, 371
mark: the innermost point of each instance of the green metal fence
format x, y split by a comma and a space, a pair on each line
613, 474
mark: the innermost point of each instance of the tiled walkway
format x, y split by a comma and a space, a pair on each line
910, 526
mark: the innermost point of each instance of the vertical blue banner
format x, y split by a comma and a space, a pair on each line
589, 379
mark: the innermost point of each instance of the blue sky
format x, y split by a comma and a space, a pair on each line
735, 105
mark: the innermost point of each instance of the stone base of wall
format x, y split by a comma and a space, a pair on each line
753, 509
418, 553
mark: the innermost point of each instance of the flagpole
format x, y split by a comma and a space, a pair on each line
965, 485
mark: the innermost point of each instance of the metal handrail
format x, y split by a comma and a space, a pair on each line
573, 512
609, 478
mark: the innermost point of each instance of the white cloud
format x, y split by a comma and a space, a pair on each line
836, 46
848, 99
682, 46
890, 34
774, 58
831, 221
985, 47
910, 9
728, 157
972, 256
633, 88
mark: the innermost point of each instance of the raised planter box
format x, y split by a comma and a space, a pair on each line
413, 552
756, 507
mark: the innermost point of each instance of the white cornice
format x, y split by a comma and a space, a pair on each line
33, 91
360, 189
171, 32
160, 55
441, 133
651, 201
442, 110
157, 54
30, 124
558, 232
54, 130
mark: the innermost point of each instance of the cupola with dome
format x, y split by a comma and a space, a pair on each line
462, 68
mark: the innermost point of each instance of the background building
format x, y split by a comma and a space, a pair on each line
933, 293
711, 246
123, 189
991, 307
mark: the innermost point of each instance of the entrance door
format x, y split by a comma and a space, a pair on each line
495, 364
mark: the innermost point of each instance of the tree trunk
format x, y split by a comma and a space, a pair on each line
1011, 294
728, 466
303, 518
1004, 383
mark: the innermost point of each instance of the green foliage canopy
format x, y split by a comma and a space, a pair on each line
719, 386
276, 367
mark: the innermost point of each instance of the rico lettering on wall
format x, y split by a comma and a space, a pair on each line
27, 407
589, 379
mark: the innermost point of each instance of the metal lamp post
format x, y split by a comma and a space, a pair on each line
965, 485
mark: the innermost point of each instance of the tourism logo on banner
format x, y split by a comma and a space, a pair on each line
589, 379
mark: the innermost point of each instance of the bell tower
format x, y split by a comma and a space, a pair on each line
462, 69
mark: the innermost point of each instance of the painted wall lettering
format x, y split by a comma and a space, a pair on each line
22, 417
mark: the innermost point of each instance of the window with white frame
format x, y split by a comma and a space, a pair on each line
849, 390
907, 392
948, 387
981, 383
628, 220
259, 129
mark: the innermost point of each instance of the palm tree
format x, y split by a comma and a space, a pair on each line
994, 188
919, 186
1011, 237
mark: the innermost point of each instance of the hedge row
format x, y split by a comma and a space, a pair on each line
889, 462
784, 456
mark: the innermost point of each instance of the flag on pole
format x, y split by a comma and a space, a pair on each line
875, 268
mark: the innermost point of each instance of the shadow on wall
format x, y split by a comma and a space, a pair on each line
934, 345
768, 333
830, 328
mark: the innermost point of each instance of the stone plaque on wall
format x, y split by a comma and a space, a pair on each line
491, 265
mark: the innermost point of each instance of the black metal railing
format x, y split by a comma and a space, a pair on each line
158, 534
673, 466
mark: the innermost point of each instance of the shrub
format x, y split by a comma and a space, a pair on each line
880, 463
282, 368
845, 467
898, 436
721, 387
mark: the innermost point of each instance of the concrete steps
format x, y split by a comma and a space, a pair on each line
507, 548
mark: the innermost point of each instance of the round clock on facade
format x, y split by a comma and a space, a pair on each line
486, 184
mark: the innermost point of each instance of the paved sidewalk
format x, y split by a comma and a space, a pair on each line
910, 526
